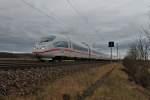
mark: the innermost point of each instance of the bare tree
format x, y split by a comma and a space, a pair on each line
132, 53
139, 50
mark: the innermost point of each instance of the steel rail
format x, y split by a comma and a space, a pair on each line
14, 65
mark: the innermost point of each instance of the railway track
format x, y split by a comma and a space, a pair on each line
27, 64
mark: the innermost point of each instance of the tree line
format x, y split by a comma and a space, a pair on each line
137, 62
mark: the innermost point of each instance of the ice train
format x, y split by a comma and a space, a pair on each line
57, 47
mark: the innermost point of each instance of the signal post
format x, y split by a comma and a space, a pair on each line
111, 45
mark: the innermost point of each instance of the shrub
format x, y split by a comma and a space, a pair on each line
138, 71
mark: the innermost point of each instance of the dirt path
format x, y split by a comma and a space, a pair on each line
90, 90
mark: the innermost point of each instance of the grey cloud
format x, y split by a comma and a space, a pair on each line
108, 20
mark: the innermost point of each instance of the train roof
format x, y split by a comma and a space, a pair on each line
56, 35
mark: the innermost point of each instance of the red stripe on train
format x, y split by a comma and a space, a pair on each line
50, 50
58, 49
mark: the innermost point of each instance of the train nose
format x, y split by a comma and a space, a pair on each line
38, 50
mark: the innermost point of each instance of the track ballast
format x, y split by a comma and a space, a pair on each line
27, 64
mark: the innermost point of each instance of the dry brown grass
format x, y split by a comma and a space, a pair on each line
138, 71
117, 87
74, 84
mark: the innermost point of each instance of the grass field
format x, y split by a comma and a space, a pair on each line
74, 84
117, 87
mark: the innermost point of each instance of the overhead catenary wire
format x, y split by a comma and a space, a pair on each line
56, 19
80, 15
44, 13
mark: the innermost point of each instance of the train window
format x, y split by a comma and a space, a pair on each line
48, 39
77, 47
61, 44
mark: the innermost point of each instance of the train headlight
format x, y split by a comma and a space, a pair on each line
42, 48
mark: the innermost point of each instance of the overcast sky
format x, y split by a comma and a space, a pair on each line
93, 21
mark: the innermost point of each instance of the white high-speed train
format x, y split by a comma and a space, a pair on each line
56, 47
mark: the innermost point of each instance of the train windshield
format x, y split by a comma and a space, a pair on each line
47, 39
63, 44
